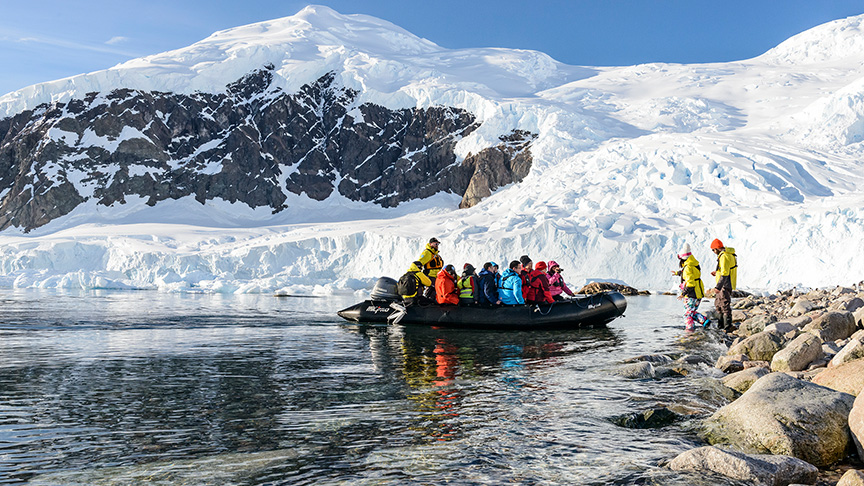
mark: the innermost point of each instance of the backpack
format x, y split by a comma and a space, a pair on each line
407, 285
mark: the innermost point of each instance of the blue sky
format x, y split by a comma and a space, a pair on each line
44, 40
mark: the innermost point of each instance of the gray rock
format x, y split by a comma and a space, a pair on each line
799, 322
781, 328
858, 315
756, 324
760, 346
693, 359
742, 380
637, 371
852, 351
786, 416
723, 362
648, 419
830, 349
801, 307
798, 354
853, 305
838, 291
761, 469
832, 326
852, 477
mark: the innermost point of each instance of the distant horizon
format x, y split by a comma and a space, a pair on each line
36, 47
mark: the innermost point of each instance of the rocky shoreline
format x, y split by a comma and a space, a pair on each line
794, 368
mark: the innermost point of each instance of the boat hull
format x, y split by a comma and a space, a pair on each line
581, 311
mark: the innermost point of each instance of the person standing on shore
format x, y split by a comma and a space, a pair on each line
692, 289
727, 279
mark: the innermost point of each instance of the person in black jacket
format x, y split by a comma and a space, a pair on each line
487, 294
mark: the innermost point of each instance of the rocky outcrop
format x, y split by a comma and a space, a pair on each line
253, 144
498, 166
786, 416
762, 469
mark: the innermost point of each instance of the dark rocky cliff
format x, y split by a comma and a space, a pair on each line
251, 144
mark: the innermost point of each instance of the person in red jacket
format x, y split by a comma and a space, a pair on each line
445, 286
538, 281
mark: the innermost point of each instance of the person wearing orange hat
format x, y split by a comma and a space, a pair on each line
727, 280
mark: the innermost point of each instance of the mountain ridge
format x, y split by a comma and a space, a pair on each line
625, 162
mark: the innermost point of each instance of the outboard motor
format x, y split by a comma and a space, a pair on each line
385, 290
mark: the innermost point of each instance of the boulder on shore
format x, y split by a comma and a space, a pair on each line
755, 324
852, 351
798, 354
759, 347
856, 424
741, 381
763, 469
832, 326
783, 415
846, 378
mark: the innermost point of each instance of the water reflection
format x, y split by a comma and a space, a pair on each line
189, 390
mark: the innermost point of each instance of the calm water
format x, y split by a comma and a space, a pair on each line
144, 387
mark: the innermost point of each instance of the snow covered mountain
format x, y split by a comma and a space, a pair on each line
319, 151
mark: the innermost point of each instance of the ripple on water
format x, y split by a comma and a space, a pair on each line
119, 388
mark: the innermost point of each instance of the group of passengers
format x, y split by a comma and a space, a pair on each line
523, 282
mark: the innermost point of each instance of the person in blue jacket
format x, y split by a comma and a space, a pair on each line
487, 294
510, 291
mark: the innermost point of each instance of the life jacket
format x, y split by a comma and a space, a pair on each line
508, 293
536, 290
433, 266
465, 284
430, 261
727, 265
691, 278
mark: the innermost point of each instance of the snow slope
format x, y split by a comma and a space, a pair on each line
630, 162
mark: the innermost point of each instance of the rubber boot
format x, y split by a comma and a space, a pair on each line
730, 327
721, 323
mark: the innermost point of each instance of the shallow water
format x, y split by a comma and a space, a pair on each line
132, 387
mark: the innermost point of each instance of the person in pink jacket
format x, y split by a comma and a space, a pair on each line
556, 282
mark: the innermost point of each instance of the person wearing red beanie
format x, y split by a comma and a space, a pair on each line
538, 286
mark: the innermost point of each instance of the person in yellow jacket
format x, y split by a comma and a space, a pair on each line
727, 280
410, 285
431, 263
692, 289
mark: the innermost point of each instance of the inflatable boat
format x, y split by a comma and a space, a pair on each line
385, 306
